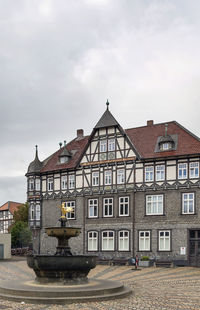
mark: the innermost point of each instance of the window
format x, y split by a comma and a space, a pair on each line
37, 184
120, 176
37, 212
108, 240
95, 178
32, 212
154, 204
194, 170
160, 173
123, 206
31, 184
164, 240
111, 145
144, 241
107, 207
187, 203
103, 146
92, 241
71, 181
64, 182
182, 171
149, 175
71, 204
108, 177
93, 208
64, 159
50, 184
124, 240
166, 146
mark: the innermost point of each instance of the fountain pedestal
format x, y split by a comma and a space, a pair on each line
63, 266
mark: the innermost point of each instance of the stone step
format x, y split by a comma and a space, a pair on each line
67, 299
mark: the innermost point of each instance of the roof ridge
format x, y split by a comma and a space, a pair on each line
163, 123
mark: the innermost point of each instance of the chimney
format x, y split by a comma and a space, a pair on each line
150, 123
80, 133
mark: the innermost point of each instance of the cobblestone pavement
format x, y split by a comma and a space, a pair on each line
153, 288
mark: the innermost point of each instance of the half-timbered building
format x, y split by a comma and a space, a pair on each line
133, 191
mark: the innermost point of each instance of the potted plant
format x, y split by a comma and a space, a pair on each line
144, 261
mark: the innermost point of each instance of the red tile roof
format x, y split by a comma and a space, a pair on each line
11, 206
76, 146
144, 140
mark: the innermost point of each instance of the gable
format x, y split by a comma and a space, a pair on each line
108, 145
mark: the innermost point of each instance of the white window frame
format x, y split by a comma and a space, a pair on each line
64, 182
92, 241
92, 208
50, 184
124, 206
103, 146
166, 239
120, 176
149, 173
71, 204
144, 240
71, 181
166, 146
108, 177
95, 178
31, 184
182, 171
37, 184
111, 145
32, 212
188, 202
123, 240
194, 170
108, 206
160, 172
153, 204
108, 240
37, 212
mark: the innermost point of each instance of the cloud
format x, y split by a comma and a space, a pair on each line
61, 60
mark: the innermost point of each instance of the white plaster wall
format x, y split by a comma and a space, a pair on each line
139, 175
171, 172
5, 239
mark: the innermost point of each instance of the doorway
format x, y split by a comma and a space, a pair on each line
194, 248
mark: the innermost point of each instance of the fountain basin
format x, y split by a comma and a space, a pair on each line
64, 269
63, 231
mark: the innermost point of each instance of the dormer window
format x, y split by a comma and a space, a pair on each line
166, 142
65, 156
64, 159
165, 146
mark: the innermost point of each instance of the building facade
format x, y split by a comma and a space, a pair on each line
133, 191
6, 215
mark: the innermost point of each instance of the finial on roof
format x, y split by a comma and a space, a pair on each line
107, 103
166, 126
60, 144
36, 151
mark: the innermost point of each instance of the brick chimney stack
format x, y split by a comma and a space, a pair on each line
150, 123
80, 134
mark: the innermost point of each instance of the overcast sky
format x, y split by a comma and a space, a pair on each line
60, 61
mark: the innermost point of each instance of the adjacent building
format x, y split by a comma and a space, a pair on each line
6, 215
133, 191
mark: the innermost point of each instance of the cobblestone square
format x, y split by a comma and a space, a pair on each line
153, 288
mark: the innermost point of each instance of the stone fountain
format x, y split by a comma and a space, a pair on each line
61, 278
63, 266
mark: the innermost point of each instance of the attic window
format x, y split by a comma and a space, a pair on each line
64, 159
165, 146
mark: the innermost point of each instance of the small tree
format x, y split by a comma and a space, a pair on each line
21, 214
20, 233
